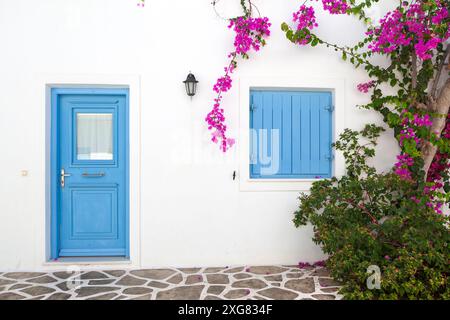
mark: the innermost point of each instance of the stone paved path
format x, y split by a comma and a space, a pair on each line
258, 282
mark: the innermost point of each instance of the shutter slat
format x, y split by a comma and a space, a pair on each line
256, 118
266, 139
305, 132
296, 134
315, 133
286, 134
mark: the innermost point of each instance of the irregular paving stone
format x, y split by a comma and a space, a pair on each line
194, 279
63, 274
251, 283
38, 298
59, 296
181, 293
301, 285
93, 275
237, 294
137, 290
216, 289
328, 282
115, 273
89, 291
266, 270
294, 275
100, 282
217, 278
2, 288
11, 296
43, 279
324, 296
130, 281
213, 270
242, 275
37, 290
107, 296
121, 297
158, 284
212, 298
20, 286
328, 290
189, 270
275, 284
321, 272
234, 270
155, 274
144, 297
4, 282
22, 275
278, 294
176, 279
66, 285
274, 278
259, 298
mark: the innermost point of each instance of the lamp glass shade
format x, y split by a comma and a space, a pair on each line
191, 85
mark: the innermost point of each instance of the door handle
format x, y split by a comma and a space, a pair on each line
63, 177
99, 174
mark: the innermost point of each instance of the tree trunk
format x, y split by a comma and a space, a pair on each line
441, 107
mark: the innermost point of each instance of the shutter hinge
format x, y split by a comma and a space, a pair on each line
329, 157
252, 107
252, 159
330, 108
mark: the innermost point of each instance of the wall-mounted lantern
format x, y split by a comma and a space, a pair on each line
191, 85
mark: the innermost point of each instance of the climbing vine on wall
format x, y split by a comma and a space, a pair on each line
414, 38
250, 33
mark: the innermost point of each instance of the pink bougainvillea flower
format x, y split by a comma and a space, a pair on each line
335, 6
249, 34
305, 18
364, 87
404, 161
406, 26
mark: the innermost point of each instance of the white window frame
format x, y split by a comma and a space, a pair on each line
334, 85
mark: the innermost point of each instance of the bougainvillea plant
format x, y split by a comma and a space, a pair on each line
414, 39
250, 34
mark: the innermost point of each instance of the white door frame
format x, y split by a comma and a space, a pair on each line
42, 223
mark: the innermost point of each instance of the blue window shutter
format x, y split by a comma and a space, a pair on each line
304, 124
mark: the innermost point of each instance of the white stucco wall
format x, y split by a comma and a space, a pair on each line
191, 211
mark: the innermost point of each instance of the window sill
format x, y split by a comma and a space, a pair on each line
293, 185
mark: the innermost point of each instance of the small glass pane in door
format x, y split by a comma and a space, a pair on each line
94, 136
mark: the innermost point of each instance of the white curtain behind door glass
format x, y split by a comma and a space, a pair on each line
94, 136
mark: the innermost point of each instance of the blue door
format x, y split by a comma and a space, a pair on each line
90, 164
